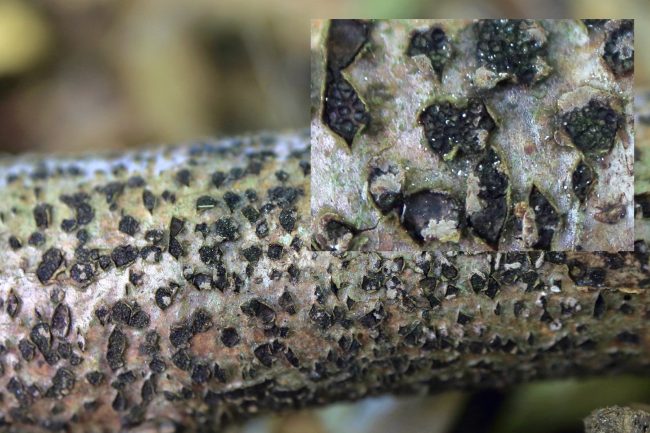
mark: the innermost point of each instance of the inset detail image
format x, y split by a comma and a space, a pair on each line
472, 135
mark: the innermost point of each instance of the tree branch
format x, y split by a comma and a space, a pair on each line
175, 287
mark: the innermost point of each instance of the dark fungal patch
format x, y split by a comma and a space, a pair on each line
36, 239
264, 354
218, 178
287, 303
175, 248
210, 254
283, 196
451, 290
282, 175
15, 243
149, 254
84, 213
450, 129
112, 191
205, 202
201, 373
169, 196
201, 321
219, 373
117, 343
95, 378
27, 349
463, 318
385, 186
64, 349
124, 255
82, 273
135, 182
372, 282
229, 337
251, 195
628, 337
140, 320
508, 46
583, 178
334, 235
642, 204
129, 225
477, 282
41, 336
252, 254
14, 303
68, 225
374, 317
345, 38
182, 360
184, 177
148, 200
275, 251
260, 310
151, 344
287, 219
50, 262
232, 200
262, 229
176, 226
226, 229
83, 236
321, 317
17, 388
429, 215
488, 222
43, 215
120, 402
593, 127
546, 219
157, 365
148, 390
60, 322
62, 383
343, 111
432, 43
203, 229
180, 334
618, 51
449, 271
250, 213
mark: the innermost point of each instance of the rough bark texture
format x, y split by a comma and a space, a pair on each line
174, 290
472, 135
618, 420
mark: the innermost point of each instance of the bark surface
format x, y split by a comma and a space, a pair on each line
472, 135
175, 290
618, 420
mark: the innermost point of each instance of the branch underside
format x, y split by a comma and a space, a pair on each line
175, 289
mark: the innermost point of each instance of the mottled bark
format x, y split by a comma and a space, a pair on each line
618, 420
175, 290
425, 138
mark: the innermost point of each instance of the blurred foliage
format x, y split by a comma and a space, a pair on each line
108, 74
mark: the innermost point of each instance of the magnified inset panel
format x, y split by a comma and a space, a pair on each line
472, 135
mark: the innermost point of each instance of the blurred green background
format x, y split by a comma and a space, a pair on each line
109, 74
102, 74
